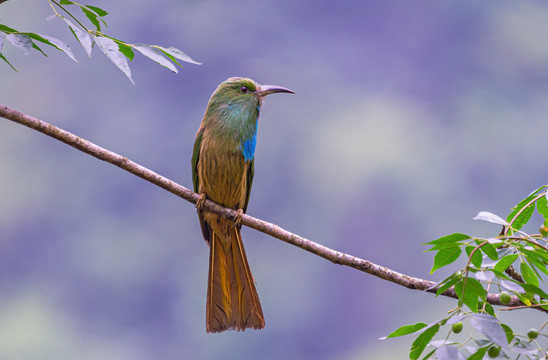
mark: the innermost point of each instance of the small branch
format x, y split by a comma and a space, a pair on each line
257, 224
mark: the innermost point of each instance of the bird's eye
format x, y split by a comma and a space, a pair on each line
243, 89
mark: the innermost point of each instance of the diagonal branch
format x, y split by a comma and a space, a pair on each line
257, 224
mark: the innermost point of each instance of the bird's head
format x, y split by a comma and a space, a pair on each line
242, 96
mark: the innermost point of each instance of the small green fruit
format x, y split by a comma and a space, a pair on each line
505, 298
532, 334
494, 351
457, 327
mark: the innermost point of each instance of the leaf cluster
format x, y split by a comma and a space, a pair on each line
512, 262
117, 51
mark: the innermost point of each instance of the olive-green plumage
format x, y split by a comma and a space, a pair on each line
222, 169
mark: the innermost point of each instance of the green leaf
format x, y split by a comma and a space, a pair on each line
490, 327
80, 35
429, 355
535, 260
97, 10
36, 47
505, 262
6, 60
478, 355
153, 53
20, 41
7, 29
476, 258
110, 49
447, 283
405, 330
542, 207
66, 2
532, 289
92, 16
445, 257
422, 341
489, 309
472, 291
528, 274
178, 54
525, 215
490, 251
126, 50
490, 217
449, 239
508, 331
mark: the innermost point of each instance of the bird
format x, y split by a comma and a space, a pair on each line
223, 161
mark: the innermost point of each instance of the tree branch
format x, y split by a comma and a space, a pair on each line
257, 224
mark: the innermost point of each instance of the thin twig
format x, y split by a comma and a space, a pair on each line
257, 224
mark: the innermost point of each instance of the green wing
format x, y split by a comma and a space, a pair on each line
206, 229
250, 173
195, 156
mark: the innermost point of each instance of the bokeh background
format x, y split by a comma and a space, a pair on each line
409, 118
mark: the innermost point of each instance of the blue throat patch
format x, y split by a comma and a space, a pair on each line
248, 147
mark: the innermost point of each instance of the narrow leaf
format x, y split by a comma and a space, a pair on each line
528, 274
92, 16
178, 54
20, 41
476, 257
452, 280
7, 62
65, 2
445, 257
156, 55
110, 49
490, 251
422, 341
525, 213
470, 292
453, 238
126, 50
478, 355
508, 331
97, 10
82, 36
542, 206
490, 327
505, 262
405, 330
490, 217
7, 29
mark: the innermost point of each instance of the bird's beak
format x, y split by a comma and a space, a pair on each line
264, 90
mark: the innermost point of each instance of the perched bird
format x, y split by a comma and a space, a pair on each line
222, 171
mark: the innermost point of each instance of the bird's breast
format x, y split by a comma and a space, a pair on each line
223, 175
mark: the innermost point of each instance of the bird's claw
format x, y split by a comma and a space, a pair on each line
238, 217
201, 201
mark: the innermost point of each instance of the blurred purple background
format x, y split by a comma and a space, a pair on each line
409, 118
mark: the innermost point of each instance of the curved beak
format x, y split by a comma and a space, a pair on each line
264, 90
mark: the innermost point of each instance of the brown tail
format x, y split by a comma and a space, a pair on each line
232, 300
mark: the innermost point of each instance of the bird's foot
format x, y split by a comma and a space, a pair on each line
201, 201
238, 217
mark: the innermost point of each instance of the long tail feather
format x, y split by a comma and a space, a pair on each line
232, 299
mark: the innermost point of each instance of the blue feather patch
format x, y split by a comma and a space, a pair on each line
248, 147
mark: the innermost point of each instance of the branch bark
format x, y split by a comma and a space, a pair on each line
273, 230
